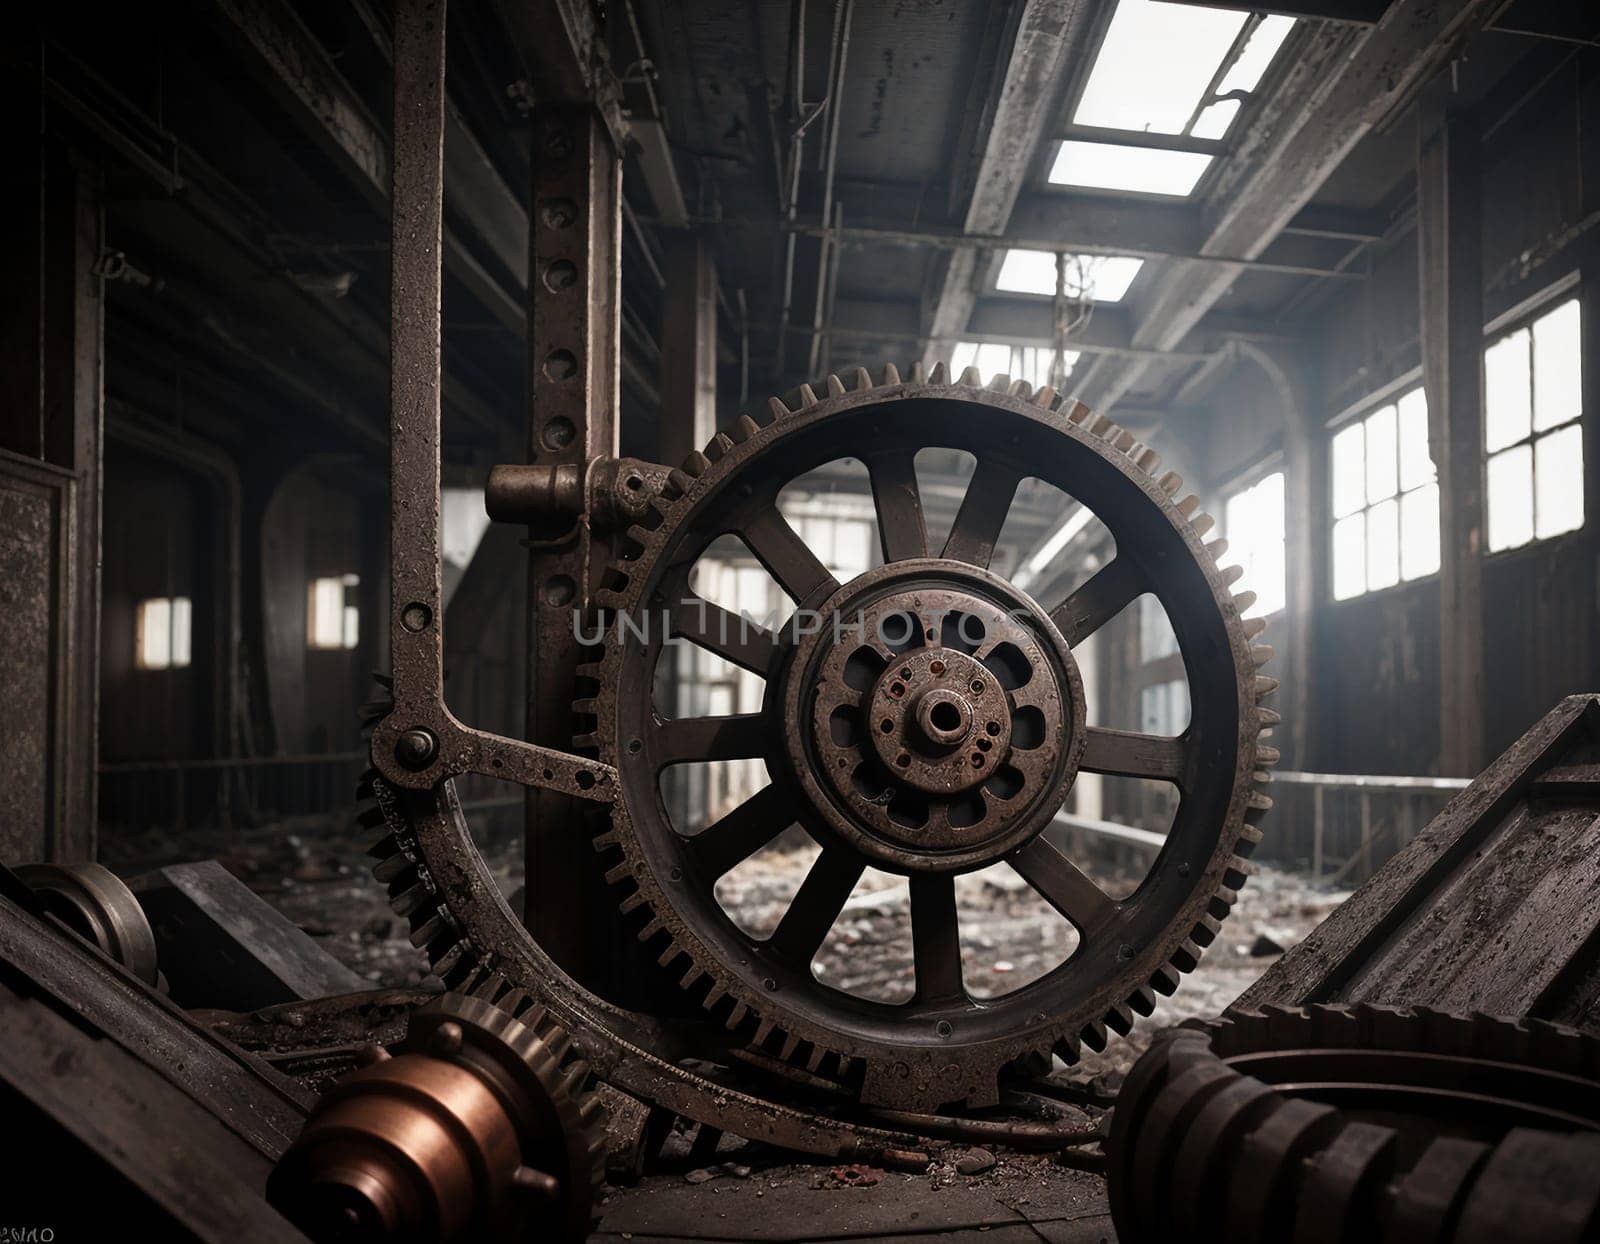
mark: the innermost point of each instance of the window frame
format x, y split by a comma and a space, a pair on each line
1389, 394
1523, 316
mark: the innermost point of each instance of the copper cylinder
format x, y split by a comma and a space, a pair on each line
410, 1148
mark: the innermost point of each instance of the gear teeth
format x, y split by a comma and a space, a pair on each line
1170, 483
1104, 427
971, 378
1268, 716
1261, 654
1020, 388
1079, 414
1125, 441
679, 481
940, 374
1189, 505
1218, 548
1165, 980
1231, 575
1253, 626
1242, 601
778, 409
744, 427
791, 1043
915, 375
891, 374
808, 397
1045, 397
1266, 755
1259, 802
835, 386
736, 1017
1265, 686
863, 379
764, 1030
696, 464
722, 443
1147, 460
1000, 383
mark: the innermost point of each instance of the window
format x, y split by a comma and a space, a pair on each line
333, 619
1115, 166
1030, 363
1104, 278
1156, 636
1532, 401
1385, 499
162, 633
1164, 708
1252, 522
1165, 68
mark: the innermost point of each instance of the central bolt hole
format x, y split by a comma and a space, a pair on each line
945, 716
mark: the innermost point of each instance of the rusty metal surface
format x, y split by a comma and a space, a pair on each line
943, 1048
1301, 1124
1490, 908
478, 1127
261, 1107
421, 743
94, 903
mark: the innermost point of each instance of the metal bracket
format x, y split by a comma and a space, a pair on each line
421, 743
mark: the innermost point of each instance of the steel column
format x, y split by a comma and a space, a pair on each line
573, 378
688, 347
1450, 252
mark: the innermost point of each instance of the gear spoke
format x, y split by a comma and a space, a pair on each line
786, 556
902, 530
1127, 754
816, 906
1064, 885
678, 741
730, 841
1112, 588
732, 637
936, 937
983, 513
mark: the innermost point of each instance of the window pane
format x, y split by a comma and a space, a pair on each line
152, 649
1156, 637
1416, 467
1350, 556
1215, 120
1381, 454
1506, 391
1112, 166
1383, 545
325, 613
1557, 371
1510, 498
1558, 481
182, 623
1419, 532
1154, 64
351, 634
1104, 278
1252, 521
1262, 46
1349, 471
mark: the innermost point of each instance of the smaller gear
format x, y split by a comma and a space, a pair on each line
1333, 1122
478, 1128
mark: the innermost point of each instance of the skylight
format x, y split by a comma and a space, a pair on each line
1105, 278
1112, 166
1155, 64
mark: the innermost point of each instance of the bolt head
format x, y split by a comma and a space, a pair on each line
416, 749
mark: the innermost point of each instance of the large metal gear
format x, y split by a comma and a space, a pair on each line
936, 731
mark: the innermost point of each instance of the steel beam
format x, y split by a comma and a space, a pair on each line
688, 346
1049, 33
1450, 283
1344, 81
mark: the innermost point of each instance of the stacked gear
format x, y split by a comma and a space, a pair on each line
1359, 1123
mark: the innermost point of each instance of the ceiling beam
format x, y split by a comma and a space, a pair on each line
322, 104
1050, 34
1341, 83
1084, 225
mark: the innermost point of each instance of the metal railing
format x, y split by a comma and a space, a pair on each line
1357, 820
225, 792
